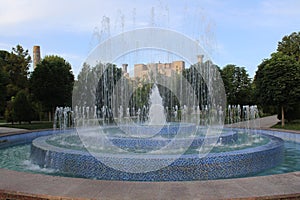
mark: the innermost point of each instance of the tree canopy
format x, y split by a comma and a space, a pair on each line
22, 108
290, 45
16, 65
237, 85
277, 82
52, 82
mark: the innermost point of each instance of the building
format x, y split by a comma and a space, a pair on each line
124, 70
36, 55
167, 69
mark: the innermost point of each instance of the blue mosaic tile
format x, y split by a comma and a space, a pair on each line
186, 167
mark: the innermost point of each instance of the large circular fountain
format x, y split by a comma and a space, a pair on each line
67, 154
156, 126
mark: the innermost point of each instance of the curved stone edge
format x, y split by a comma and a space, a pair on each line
186, 168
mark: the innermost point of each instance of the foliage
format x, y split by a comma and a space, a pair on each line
237, 85
290, 45
292, 112
105, 89
293, 125
16, 65
32, 126
22, 107
197, 83
9, 111
52, 82
277, 82
3, 83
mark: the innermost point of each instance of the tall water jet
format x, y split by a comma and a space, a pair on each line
156, 109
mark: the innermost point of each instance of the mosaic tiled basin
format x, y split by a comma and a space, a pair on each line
185, 168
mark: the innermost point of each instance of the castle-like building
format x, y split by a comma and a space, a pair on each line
142, 71
167, 69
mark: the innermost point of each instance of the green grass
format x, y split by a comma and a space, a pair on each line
294, 125
32, 126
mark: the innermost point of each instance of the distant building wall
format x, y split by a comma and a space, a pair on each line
167, 69
140, 70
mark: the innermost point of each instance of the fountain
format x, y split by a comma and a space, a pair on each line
155, 150
156, 128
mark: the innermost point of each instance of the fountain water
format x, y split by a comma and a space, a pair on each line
156, 112
63, 118
171, 132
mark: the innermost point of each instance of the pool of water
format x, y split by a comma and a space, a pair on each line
17, 158
74, 142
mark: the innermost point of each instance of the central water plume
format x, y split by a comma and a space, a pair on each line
156, 109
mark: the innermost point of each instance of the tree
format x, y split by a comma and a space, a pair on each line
237, 85
22, 108
3, 82
16, 65
52, 83
106, 89
290, 45
277, 82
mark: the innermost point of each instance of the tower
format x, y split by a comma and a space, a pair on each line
36, 56
200, 58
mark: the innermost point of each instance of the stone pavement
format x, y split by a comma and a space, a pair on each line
37, 186
5, 130
263, 123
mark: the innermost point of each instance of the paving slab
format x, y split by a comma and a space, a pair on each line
284, 185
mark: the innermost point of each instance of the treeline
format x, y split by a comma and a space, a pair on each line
31, 96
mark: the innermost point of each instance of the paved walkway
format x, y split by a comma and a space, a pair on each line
263, 123
5, 130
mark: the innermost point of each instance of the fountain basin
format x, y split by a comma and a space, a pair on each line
196, 139
185, 167
165, 130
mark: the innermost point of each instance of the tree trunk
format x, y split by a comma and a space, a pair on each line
282, 116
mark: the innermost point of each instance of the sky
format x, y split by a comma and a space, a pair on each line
231, 31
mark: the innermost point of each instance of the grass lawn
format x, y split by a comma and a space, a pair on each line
294, 125
32, 126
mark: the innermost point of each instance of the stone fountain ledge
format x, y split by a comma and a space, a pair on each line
20, 185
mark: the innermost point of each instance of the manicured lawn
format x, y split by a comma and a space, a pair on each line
32, 126
294, 125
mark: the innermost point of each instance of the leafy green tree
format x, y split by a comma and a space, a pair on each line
16, 65
290, 45
23, 110
52, 83
277, 82
3, 81
237, 85
9, 111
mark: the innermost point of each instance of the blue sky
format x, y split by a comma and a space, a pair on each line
231, 31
